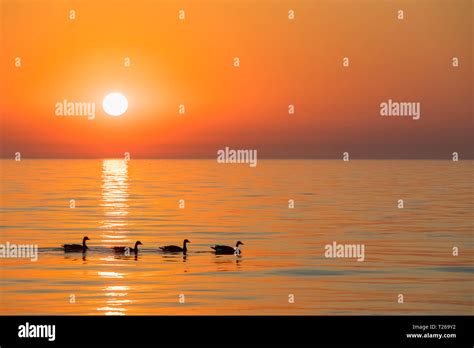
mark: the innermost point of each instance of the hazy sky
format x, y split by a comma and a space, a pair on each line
282, 62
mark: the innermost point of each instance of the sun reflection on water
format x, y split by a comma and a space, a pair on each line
114, 201
114, 231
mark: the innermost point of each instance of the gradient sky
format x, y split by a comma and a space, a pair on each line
282, 62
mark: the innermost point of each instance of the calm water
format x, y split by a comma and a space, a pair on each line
407, 251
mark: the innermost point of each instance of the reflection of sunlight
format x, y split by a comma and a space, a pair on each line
115, 229
113, 236
116, 295
117, 288
114, 291
115, 301
114, 198
111, 274
112, 310
115, 225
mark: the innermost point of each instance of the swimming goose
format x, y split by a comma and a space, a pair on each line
131, 250
224, 249
76, 247
175, 248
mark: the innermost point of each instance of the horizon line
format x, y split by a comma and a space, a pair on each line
264, 158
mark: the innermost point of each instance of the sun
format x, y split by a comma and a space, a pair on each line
115, 104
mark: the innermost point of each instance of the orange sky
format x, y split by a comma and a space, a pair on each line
283, 62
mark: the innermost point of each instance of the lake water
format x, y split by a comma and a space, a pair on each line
408, 251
